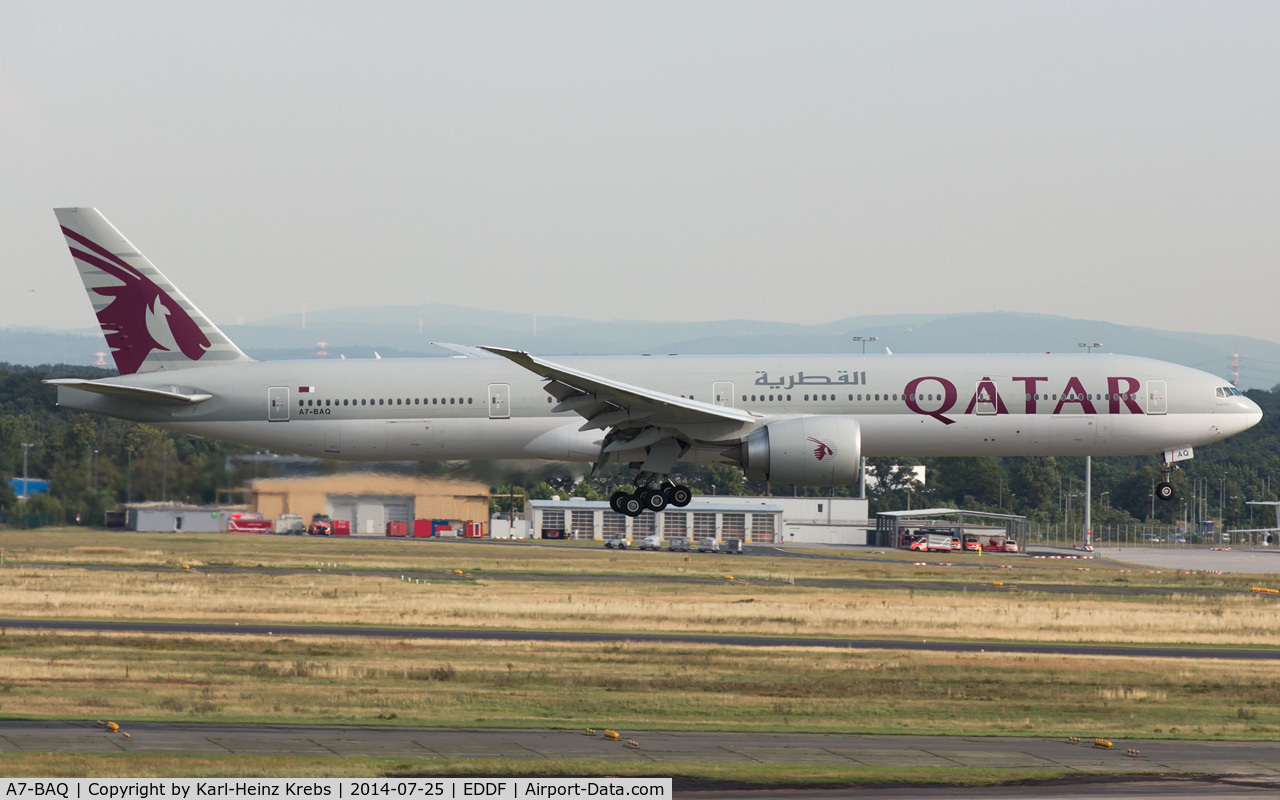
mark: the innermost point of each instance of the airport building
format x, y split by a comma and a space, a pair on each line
164, 517
756, 520
370, 500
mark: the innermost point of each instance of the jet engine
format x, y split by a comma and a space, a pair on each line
805, 451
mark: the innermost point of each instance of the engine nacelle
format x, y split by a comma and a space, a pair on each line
805, 451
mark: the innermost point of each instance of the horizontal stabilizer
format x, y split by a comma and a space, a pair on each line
153, 396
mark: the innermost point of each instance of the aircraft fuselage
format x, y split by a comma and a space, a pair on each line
489, 408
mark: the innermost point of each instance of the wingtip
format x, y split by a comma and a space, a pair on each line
505, 352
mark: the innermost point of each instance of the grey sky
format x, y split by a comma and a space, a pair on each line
798, 161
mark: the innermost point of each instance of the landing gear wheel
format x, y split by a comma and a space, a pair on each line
678, 496
1164, 490
615, 501
654, 500
631, 505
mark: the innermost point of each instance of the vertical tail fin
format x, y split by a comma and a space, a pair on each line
148, 323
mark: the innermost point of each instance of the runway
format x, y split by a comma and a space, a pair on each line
707, 747
224, 629
1260, 562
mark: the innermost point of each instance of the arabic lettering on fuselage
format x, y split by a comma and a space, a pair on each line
1122, 393
843, 378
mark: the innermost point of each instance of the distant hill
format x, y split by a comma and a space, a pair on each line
403, 331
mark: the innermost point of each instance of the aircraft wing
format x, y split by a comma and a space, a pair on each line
606, 402
151, 396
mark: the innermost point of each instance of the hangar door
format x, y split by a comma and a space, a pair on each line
370, 513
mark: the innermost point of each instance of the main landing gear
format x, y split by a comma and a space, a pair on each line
650, 499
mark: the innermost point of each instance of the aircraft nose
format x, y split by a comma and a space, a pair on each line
1254, 413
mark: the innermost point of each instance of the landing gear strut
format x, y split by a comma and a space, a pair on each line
653, 499
1164, 489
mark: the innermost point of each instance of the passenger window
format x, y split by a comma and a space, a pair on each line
450, 401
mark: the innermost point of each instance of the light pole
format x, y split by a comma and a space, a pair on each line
26, 446
1088, 502
1222, 493
1088, 346
864, 340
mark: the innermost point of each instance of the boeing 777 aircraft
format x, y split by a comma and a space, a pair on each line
804, 420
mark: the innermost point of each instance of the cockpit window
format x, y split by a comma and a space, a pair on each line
1220, 394
1229, 391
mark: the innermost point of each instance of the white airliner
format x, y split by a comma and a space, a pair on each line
804, 420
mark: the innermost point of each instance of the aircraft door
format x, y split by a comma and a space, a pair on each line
1157, 397
499, 401
278, 404
722, 393
984, 398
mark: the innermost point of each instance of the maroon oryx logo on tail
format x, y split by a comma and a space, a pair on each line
822, 450
139, 311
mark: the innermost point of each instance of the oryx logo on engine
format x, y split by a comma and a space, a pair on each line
822, 450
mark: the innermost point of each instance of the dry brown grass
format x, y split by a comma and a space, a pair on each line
736, 607
71, 547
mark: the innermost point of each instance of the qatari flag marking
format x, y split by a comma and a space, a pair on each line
306, 388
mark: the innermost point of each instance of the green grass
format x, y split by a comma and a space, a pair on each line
628, 687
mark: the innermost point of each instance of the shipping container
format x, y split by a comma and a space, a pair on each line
342, 527
398, 528
290, 524
423, 528
475, 530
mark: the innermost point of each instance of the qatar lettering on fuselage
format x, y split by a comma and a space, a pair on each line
1120, 397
